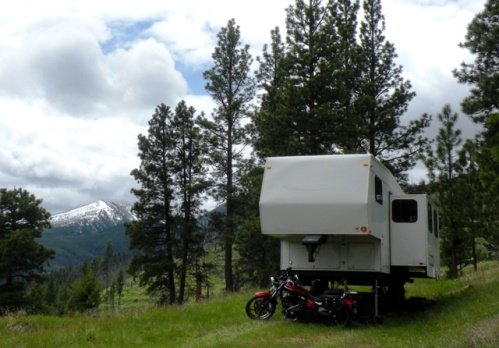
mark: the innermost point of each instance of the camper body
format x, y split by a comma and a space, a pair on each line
345, 217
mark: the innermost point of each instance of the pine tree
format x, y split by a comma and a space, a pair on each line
232, 89
52, 294
475, 211
172, 181
489, 174
326, 92
85, 292
443, 171
106, 264
112, 294
308, 82
271, 130
120, 285
482, 39
306, 93
190, 183
347, 53
152, 234
22, 220
384, 96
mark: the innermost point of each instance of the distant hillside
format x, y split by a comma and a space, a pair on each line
81, 234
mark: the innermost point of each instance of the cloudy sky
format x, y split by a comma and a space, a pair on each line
80, 79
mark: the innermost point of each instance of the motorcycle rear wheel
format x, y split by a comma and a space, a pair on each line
342, 318
260, 308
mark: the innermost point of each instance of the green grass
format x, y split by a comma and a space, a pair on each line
466, 314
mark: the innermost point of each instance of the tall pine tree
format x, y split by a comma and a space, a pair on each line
344, 91
189, 159
476, 212
384, 96
151, 236
443, 171
171, 174
489, 174
231, 87
305, 104
482, 40
308, 82
271, 128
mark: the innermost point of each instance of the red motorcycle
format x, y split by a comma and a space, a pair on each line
333, 306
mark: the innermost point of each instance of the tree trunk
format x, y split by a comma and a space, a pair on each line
199, 283
228, 236
473, 252
453, 264
183, 272
171, 270
229, 229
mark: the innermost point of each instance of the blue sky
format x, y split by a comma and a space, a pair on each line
124, 32
80, 79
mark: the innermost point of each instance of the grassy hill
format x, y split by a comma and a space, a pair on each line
465, 314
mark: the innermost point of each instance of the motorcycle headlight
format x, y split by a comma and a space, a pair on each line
272, 279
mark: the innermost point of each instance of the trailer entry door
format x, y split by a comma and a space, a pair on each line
408, 229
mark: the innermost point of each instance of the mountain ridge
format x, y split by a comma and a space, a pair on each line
94, 216
82, 233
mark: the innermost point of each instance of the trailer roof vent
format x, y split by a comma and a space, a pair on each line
312, 242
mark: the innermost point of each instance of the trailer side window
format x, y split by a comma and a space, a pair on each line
430, 218
378, 190
404, 210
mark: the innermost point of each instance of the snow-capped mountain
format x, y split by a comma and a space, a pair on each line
94, 216
83, 233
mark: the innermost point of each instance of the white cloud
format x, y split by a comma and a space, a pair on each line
62, 63
53, 152
145, 75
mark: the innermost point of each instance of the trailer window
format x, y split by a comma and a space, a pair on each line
378, 190
404, 210
430, 218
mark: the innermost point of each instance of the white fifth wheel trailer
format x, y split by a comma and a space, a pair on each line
345, 217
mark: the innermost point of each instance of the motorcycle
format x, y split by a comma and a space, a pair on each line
334, 306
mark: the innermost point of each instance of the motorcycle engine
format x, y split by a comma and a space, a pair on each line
293, 312
332, 303
291, 307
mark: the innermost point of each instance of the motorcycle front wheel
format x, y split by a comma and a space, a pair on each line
261, 308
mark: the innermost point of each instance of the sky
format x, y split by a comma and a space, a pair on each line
80, 79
